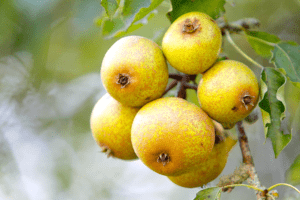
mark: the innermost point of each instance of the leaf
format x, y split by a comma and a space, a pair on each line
293, 173
138, 24
144, 11
211, 7
135, 13
191, 96
296, 120
110, 6
286, 55
213, 193
273, 108
262, 42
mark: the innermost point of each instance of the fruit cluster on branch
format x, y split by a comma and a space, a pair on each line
170, 135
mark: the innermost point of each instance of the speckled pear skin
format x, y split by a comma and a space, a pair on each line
144, 64
111, 127
208, 170
175, 127
192, 52
222, 89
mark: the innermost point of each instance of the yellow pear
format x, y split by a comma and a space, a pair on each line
208, 170
111, 127
192, 43
134, 71
171, 135
228, 92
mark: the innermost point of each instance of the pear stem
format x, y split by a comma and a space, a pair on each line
240, 51
182, 90
190, 86
184, 80
170, 87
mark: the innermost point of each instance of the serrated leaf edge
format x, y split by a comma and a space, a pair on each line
273, 59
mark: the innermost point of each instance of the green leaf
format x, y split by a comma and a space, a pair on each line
273, 108
135, 14
293, 173
191, 96
211, 7
262, 42
110, 6
286, 55
137, 25
213, 193
144, 11
296, 120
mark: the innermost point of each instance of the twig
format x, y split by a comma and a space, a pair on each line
190, 86
237, 177
247, 159
170, 86
237, 26
182, 90
184, 80
243, 140
246, 171
283, 184
177, 77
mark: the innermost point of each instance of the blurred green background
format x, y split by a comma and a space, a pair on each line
50, 59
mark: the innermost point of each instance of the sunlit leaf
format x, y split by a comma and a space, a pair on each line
110, 6
144, 10
273, 108
293, 173
136, 25
211, 7
287, 56
135, 13
262, 42
213, 193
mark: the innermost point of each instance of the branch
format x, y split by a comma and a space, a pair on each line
190, 86
170, 87
237, 26
237, 177
177, 77
184, 80
182, 90
246, 171
247, 159
243, 140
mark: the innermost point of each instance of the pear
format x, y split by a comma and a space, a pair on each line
171, 135
134, 71
111, 124
228, 92
208, 170
192, 43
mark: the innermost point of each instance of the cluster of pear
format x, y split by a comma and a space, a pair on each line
170, 135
